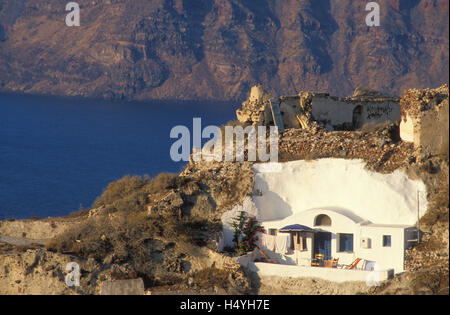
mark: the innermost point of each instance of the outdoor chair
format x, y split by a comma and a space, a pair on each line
352, 265
332, 263
318, 261
335, 263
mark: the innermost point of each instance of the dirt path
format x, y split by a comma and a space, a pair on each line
20, 241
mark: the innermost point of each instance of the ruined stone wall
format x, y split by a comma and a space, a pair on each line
332, 112
300, 111
434, 128
425, 116
289, 109
380, 111
256, 110
345, 113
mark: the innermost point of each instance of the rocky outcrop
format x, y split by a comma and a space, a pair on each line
226, 185
39, 271
43, 272
211, 49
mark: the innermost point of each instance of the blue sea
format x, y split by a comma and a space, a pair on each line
58, 154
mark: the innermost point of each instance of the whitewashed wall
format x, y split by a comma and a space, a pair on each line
337, 183
345, 222
359, 202
385, 257
330, 274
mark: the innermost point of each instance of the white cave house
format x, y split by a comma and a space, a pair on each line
359, 223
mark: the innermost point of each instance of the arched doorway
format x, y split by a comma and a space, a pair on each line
357, 117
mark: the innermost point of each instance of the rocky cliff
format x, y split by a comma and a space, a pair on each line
166, 230
217, 49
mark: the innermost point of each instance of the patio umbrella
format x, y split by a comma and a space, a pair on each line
296, 228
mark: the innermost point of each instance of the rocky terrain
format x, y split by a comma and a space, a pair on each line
217, 49
169, 238
166, 230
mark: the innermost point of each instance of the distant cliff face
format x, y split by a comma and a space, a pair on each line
217, 49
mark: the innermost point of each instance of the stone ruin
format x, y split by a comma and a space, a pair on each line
308, 108
256, 110
425, 118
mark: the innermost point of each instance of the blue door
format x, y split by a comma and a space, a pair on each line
322, 244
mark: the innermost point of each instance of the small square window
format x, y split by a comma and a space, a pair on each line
273, 232
386, 241
345, 242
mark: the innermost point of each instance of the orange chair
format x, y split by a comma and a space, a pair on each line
354, 264
318, 260
335, 263
332, 263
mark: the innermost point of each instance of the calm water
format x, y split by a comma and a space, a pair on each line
57, 154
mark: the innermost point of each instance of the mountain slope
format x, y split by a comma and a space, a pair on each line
217, 49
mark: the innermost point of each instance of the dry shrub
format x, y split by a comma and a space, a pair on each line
121, 188
84, 240
6, 248
191, 230
126, 237
146, 244
211, 277
124, 275
162, 182
135, 202
90, 239
130, 193
434, 280
431, 244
